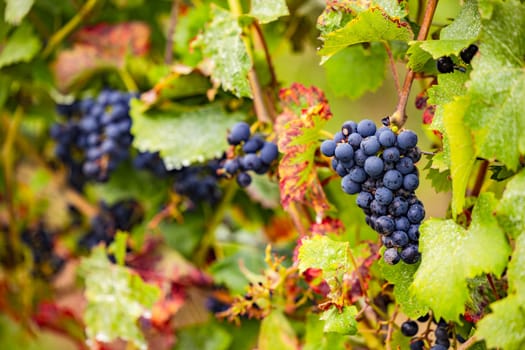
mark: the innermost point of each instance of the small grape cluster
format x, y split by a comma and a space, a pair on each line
441, 339
123, 215
199, 183
152, 162
253, 153
96, 135
46, 263
445, 64
378, 165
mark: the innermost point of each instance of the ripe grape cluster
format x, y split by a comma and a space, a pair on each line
199, 183
445, 64
122, 215
378, 165
96, 137
441, 339
46, 263
252, 153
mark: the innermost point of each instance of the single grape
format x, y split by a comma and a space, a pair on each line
391, 256
410, 182
328, 148
384, 196
398, 207
468, 53
439, 347
393, 180
414, 154
416, 213
338, 137
269, 152
407, 139
370, 145
391, 155
444, 342
358, 174
355, 140
344, 152
366, 128
350, 186
250, 161
409, 328
441, 333
445, 64
387, 138
374, 166
240, 132
244, 179
400, 238
385, 225
364, 199
410, 254
231, 166
402, 224
405, 165
360, 157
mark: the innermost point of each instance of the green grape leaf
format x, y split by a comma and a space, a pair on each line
223, 46
363, 69
368, 26
118, 247
503, 328
189, 26
276, 333
21, 46
401, 276
440, 179
512, 205
462, 153
116, 298
268, 10
167, 131
320, 252
516, 273
466, 25
439, 48
496, 114
340, 321
298, 129
317, 339
417, 57
16, 10
452, 254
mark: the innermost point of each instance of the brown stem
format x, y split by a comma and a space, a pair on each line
267, 55
393, 68
493, 286
391, 328
480, 178
259, 101
168, 53
399, 117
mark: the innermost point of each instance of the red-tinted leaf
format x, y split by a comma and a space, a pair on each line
305, 111
328, 225
100, 46
61, 320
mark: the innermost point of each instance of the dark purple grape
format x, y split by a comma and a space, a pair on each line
393, 180
416, 213
366, 128
445, 64
358, 174
348, 128
384, 196
409, 328
240, 132
410, 254
468, 53
399, 238
374, 166
385, 225
387, 138
355, 140
328, 148
244, 179
391, 256
344, 152
398, 207
350, 186
269, 152
370, 145
253, 145
410, 182
364, 199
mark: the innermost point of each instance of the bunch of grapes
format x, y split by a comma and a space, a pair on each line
199, 182
253, 153
123, 215
441, 332
152, 162
46, 263
96, 135
378, 165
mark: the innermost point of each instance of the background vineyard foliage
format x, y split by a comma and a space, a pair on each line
122, 227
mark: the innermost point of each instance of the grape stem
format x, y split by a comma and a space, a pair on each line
174, 15
393, 67
69, 27
468, 343
391, 328
399, 117
268, 57
480, 178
